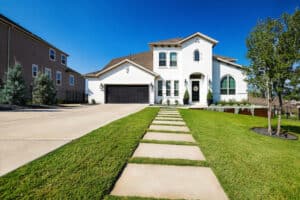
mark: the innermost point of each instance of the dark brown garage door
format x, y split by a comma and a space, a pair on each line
127, 94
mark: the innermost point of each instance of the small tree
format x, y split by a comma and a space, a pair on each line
14, 89
43, 91
186, 97
273, 48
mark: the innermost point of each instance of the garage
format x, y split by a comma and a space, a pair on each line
127, 94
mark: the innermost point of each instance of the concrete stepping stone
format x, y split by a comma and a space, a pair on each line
168, 132
169, 128
169, 137
168, 151
169, 118
170, 182
168, 113
169, 122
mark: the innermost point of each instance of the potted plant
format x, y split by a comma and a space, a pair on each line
209, 97
186, 97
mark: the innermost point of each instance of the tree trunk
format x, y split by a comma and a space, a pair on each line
279, 115
269, 109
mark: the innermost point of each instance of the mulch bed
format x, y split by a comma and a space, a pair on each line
283, 135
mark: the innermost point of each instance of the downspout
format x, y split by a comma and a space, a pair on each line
8, 46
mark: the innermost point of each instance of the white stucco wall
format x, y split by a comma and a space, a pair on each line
220, 70
125, 74
185, 67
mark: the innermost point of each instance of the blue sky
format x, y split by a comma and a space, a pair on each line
93, 32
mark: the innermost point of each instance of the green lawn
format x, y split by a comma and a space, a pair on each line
86, 168
248, 165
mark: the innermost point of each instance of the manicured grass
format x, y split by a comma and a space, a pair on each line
169, 142
248, 165
86, 168
161, 161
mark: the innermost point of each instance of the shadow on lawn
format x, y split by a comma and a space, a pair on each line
294, 129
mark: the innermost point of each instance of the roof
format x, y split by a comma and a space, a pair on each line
145, 59
26, 31
179, 41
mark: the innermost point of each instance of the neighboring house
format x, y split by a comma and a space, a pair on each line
18, 45
166, 71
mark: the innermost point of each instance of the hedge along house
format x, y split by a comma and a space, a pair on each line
18, 45
164, 73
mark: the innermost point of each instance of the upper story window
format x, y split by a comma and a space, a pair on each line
196, 55
227, 85
162, 59
159, 88
35, 70
63, 59
52, 54
168, 88
173, 59
71, 80
58, 78
48, 73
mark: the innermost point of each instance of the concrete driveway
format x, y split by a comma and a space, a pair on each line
28, 134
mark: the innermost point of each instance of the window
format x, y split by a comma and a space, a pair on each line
176, 88
173, 59
58, 78
71, 80
52, 54
35, 70
63, 59
159, 88
48, 73
196, 55
227, 85
168, 88
162, 59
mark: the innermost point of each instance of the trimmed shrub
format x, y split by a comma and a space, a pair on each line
186, 97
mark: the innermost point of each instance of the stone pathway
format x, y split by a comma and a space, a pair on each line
168, 181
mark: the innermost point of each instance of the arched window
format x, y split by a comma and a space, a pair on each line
162, 59
196, 55
227, 85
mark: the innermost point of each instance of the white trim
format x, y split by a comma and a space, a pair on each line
51, 49
61, 56
200, 35
58, 72
71, 75
126, 61
37, 70
49, 70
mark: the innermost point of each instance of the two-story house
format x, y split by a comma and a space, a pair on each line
164, 73
18, 45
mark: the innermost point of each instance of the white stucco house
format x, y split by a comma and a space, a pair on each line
166, 71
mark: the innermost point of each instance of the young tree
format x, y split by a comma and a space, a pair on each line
273, 48
14, 89
43, 91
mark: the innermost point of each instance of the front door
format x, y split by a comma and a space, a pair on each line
195, 90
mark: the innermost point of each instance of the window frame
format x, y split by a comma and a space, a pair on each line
54, 55
56, 79
61, 59
164, 61
71, 75
172, 64
176, 90
160, 90
228, 89
50, 72
32, 71
198, 54
168, 90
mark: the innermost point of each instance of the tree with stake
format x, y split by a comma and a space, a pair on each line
273, 49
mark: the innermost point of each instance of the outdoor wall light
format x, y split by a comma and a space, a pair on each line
151, 86
101, 86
